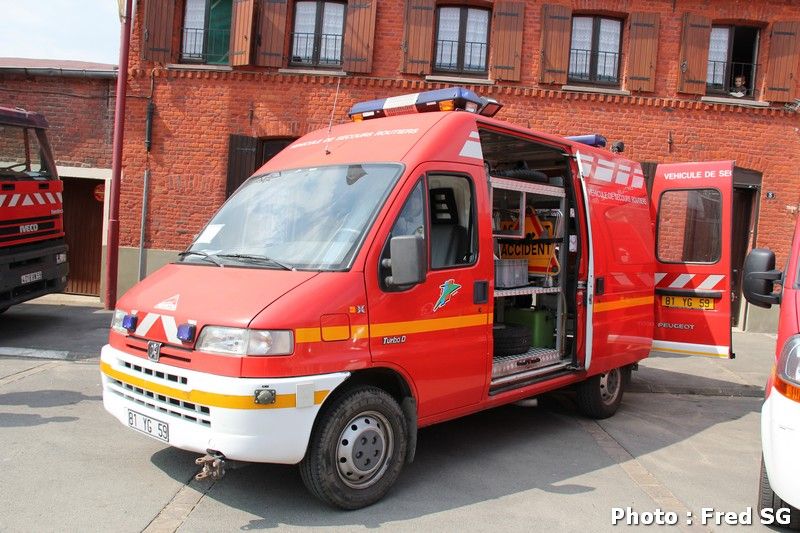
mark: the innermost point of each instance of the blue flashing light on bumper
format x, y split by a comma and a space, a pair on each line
186, 332
129, 322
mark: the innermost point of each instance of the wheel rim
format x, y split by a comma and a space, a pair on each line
610, 383
363, 450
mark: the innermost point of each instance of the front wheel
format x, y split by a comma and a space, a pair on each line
357, 449
600, 395
767, 499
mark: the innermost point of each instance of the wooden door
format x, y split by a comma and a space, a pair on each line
83, 226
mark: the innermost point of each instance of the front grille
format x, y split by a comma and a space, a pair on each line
164, 376
168, 351
192, 412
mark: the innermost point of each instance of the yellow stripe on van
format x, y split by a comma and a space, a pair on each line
691, 352
424, 326
624, 303
331, 333
210, 399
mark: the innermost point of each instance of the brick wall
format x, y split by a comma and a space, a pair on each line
197, 109
80, 112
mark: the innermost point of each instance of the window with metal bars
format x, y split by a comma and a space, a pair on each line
318, 33
462, 40
595, 50
206, 31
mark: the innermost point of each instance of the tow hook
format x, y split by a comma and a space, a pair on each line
213, 464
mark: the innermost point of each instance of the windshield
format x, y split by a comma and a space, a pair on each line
21, 154
308, 218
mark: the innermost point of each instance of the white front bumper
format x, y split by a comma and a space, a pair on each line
210, 412
780, 442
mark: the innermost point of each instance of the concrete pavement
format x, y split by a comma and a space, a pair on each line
686, 437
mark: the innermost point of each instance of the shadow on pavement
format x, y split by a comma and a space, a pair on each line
478, 458
46, 398
15, 420
81, 331
649, 379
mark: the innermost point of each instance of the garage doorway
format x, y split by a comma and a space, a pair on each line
746, 187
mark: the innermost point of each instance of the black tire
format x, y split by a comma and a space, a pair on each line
359, 425
600, 395
523, 173
767, 499
510, 339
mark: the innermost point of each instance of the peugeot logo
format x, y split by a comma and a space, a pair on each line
153, 350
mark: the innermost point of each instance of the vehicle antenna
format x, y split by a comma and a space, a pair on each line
333, 111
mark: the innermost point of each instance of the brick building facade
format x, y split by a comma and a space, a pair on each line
77, 98
234, 80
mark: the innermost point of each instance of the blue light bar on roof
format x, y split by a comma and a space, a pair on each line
451, 99
593, 139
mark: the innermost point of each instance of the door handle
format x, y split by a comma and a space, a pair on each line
480, 292
599, 286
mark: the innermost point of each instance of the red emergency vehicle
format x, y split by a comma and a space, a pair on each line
33, 253
778, 490
422, 263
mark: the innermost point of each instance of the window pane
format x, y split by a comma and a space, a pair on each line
194, 27
411, 220
580, 48
447, 38
331, 38
218, 34
689, 226
452, 219
476, 40
305, 21
717, 56
608, 49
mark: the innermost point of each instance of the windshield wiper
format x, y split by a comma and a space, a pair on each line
259, 258
206, 255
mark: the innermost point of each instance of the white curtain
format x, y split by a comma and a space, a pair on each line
332, 29
580, 47
608, 49
447, 37
305, 21
717, 56
476, 39
194, 28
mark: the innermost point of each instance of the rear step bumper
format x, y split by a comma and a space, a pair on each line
31, 271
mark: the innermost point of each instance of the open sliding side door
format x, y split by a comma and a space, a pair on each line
692, 204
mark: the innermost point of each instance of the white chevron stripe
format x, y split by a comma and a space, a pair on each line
50, 197
58, 194
27, 201
14, 200
39, 198
170, 328
2, 199
710, 282
681, 281
472, 149
660, 276
474, 135
146, 324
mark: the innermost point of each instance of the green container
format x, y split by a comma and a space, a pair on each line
541, 322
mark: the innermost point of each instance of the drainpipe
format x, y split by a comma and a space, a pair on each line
112, 252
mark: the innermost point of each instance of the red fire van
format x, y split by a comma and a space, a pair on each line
422, 263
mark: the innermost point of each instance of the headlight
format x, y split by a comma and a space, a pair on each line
122, 322
238, 341
789, 361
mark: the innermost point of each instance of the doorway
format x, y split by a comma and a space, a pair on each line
746, 184
83, 226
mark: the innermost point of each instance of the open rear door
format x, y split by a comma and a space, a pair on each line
692, 205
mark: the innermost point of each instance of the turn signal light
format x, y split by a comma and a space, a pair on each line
789, 390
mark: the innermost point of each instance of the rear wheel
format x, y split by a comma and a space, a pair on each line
767, 499
600, 395
357, 449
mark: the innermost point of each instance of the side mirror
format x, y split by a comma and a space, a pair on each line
759, 277
408, 261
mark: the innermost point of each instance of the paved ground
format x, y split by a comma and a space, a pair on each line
685, 438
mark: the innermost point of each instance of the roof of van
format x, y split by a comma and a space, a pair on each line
448, 136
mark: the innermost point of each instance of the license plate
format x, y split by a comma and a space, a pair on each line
150, 426
688, 302
30, 278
